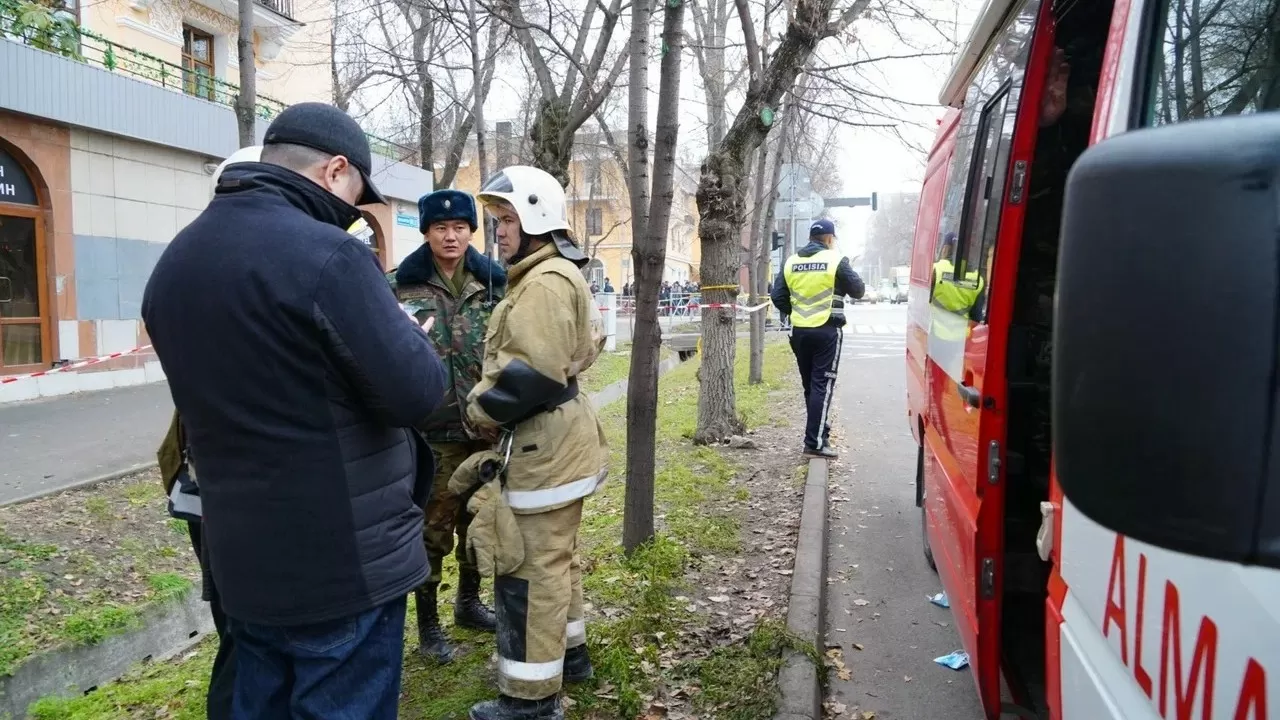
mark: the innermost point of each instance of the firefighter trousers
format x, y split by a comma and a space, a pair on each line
539, 606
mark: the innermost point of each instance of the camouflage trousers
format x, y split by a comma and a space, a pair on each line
445, 516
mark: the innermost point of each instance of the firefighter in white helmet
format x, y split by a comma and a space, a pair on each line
541, 337
253, 153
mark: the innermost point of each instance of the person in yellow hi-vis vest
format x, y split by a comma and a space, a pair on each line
955, 297
810, 290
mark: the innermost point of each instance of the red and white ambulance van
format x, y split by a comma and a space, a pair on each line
1093, 358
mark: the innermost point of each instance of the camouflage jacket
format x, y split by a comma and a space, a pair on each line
458, 334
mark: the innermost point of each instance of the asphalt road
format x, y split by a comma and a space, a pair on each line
878, 581
51, 443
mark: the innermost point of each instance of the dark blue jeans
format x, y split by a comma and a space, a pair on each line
347, 669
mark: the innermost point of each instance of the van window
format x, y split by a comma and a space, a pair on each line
976, 182
1212, 58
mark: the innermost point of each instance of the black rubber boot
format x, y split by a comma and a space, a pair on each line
432, 643
468, 611
509, 708
577, 665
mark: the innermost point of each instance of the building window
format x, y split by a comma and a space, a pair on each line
595, 221
197, 63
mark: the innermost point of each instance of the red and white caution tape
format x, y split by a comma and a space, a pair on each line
733, 306
74, 366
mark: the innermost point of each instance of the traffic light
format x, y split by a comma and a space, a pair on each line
777, 240
873, 202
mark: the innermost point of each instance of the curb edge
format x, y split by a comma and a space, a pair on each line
799, 686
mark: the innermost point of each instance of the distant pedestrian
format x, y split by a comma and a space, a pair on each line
810, 290
608, 286
299, 379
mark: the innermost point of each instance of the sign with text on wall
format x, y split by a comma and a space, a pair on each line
15, 186
406, 220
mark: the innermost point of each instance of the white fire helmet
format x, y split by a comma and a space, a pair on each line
537, 197
539, 201
253, 153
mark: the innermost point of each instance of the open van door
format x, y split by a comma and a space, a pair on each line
970, 307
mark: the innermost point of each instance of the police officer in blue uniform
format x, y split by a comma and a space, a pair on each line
810, 290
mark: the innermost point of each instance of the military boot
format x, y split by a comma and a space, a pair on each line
577, 665
509, 708
432, 643
468, 611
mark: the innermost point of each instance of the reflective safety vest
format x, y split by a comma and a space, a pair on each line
812, 284
949, 294
952, 302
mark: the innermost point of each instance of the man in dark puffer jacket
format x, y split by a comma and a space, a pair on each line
299, 379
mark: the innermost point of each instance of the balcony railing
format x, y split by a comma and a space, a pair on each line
283, 7
32, 24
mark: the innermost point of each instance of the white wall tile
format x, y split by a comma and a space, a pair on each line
131, 219
190, 162
79, 139
100, 143
117, 336
89, 382
184, 218
162, 223
131, 179
69, 339
155, 373
102, 216
192, 190
131, 376
80, 170
132, 150
59, 384
102, 176
160, 185
19, 391
81, 213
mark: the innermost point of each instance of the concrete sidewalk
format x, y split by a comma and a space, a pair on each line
53, 443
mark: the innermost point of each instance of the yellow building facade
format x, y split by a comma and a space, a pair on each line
191, 45
599, 209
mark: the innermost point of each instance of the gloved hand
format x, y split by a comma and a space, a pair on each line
494, 542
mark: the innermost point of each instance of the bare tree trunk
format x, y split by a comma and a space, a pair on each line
722, 191
649, 255
426, 142
642, 385
477, 112
247, 100
757, 237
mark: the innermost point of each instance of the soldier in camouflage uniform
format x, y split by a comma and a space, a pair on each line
448, 279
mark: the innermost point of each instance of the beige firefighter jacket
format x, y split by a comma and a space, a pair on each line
544, 333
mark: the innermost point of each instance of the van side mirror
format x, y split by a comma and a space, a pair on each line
1166, 359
